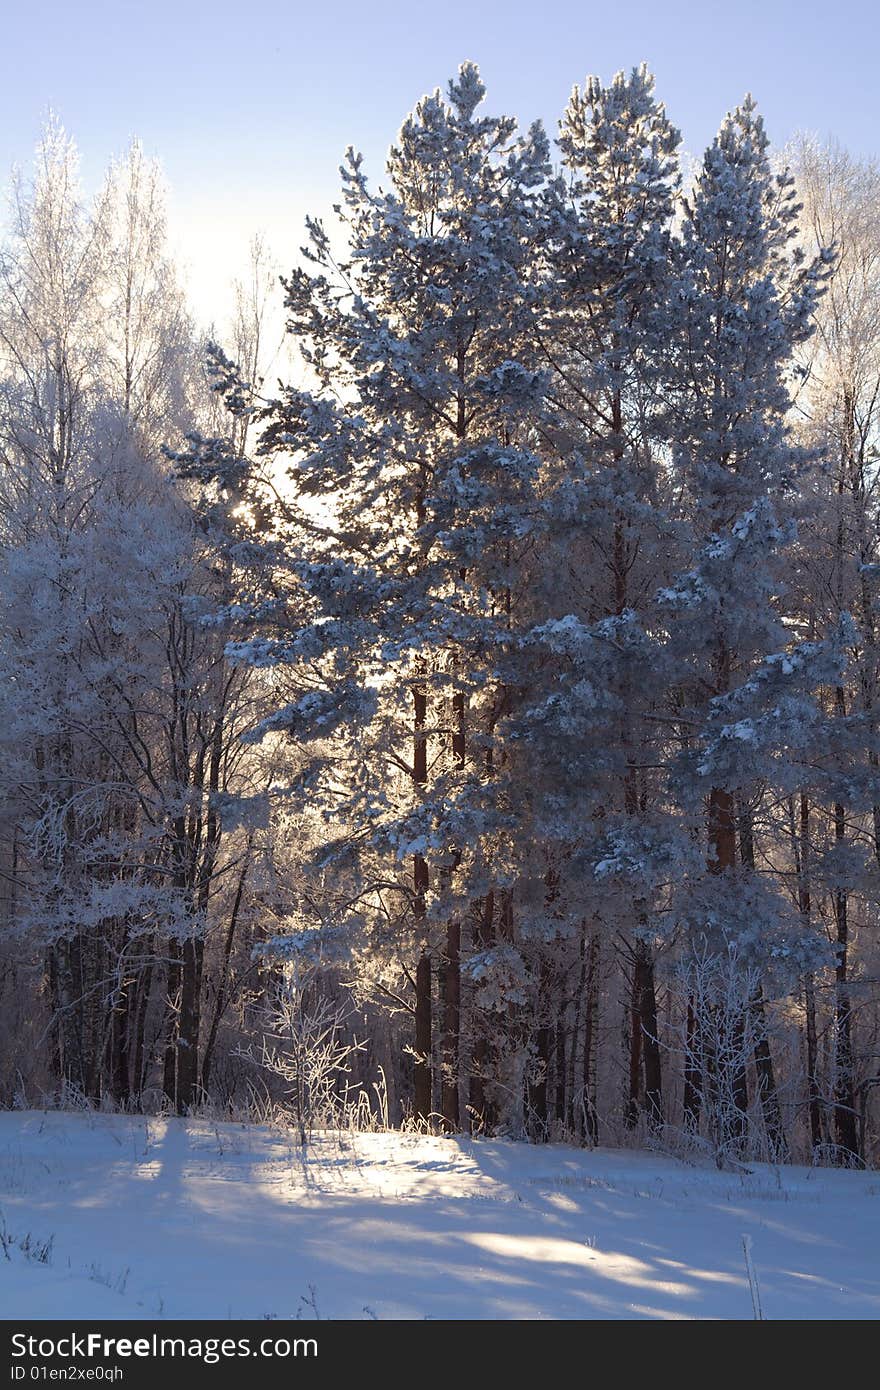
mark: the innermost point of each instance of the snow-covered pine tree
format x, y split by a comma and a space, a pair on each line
744, 299
604, 338
400, 542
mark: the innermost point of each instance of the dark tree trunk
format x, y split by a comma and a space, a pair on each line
560, 1072
451, 977
845, 1118
814, 1092
53, 986
223, 985
631, 1115
722, 831
422, 1070
767, 1092
650, 1035
722, 859
120, 1040
482, 1111
764, 1070
422, 1105
69, 995
644, 1042
800, 837
172, 1006
451, 1027
589, 1116
572, 1116
145, 985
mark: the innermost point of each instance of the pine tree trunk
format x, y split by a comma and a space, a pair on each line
845, 1119
800, 840
560, 1072
53, 990
482, 1110
422, 1098
572, 1116
145, 985
631, 1114
722, 830
812, 1039
722, 859
590, 1117
172, 1005
68, 973
120, 1040
451, 981
644, 1054
650, 1036
449, 1104
225, 971
767, 1092
422, 1070
764, 1070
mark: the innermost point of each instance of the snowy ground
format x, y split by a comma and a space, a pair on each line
186, 1219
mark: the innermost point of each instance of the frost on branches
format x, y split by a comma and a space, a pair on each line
509, 684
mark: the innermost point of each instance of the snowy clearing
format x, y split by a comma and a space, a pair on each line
165, 1218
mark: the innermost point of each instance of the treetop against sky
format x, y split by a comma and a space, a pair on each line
251, 109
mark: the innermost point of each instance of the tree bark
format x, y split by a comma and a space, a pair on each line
482, 1109
422, 1070
644, 1053
845, 1118
145, 985
812, 1039
560, 1071
650, 1035
768, 1095
764, 1070
449, 1103
589, 1115
451, 978
172, 1005
631, 1116
225, 971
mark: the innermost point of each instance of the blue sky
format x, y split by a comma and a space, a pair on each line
251, 105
